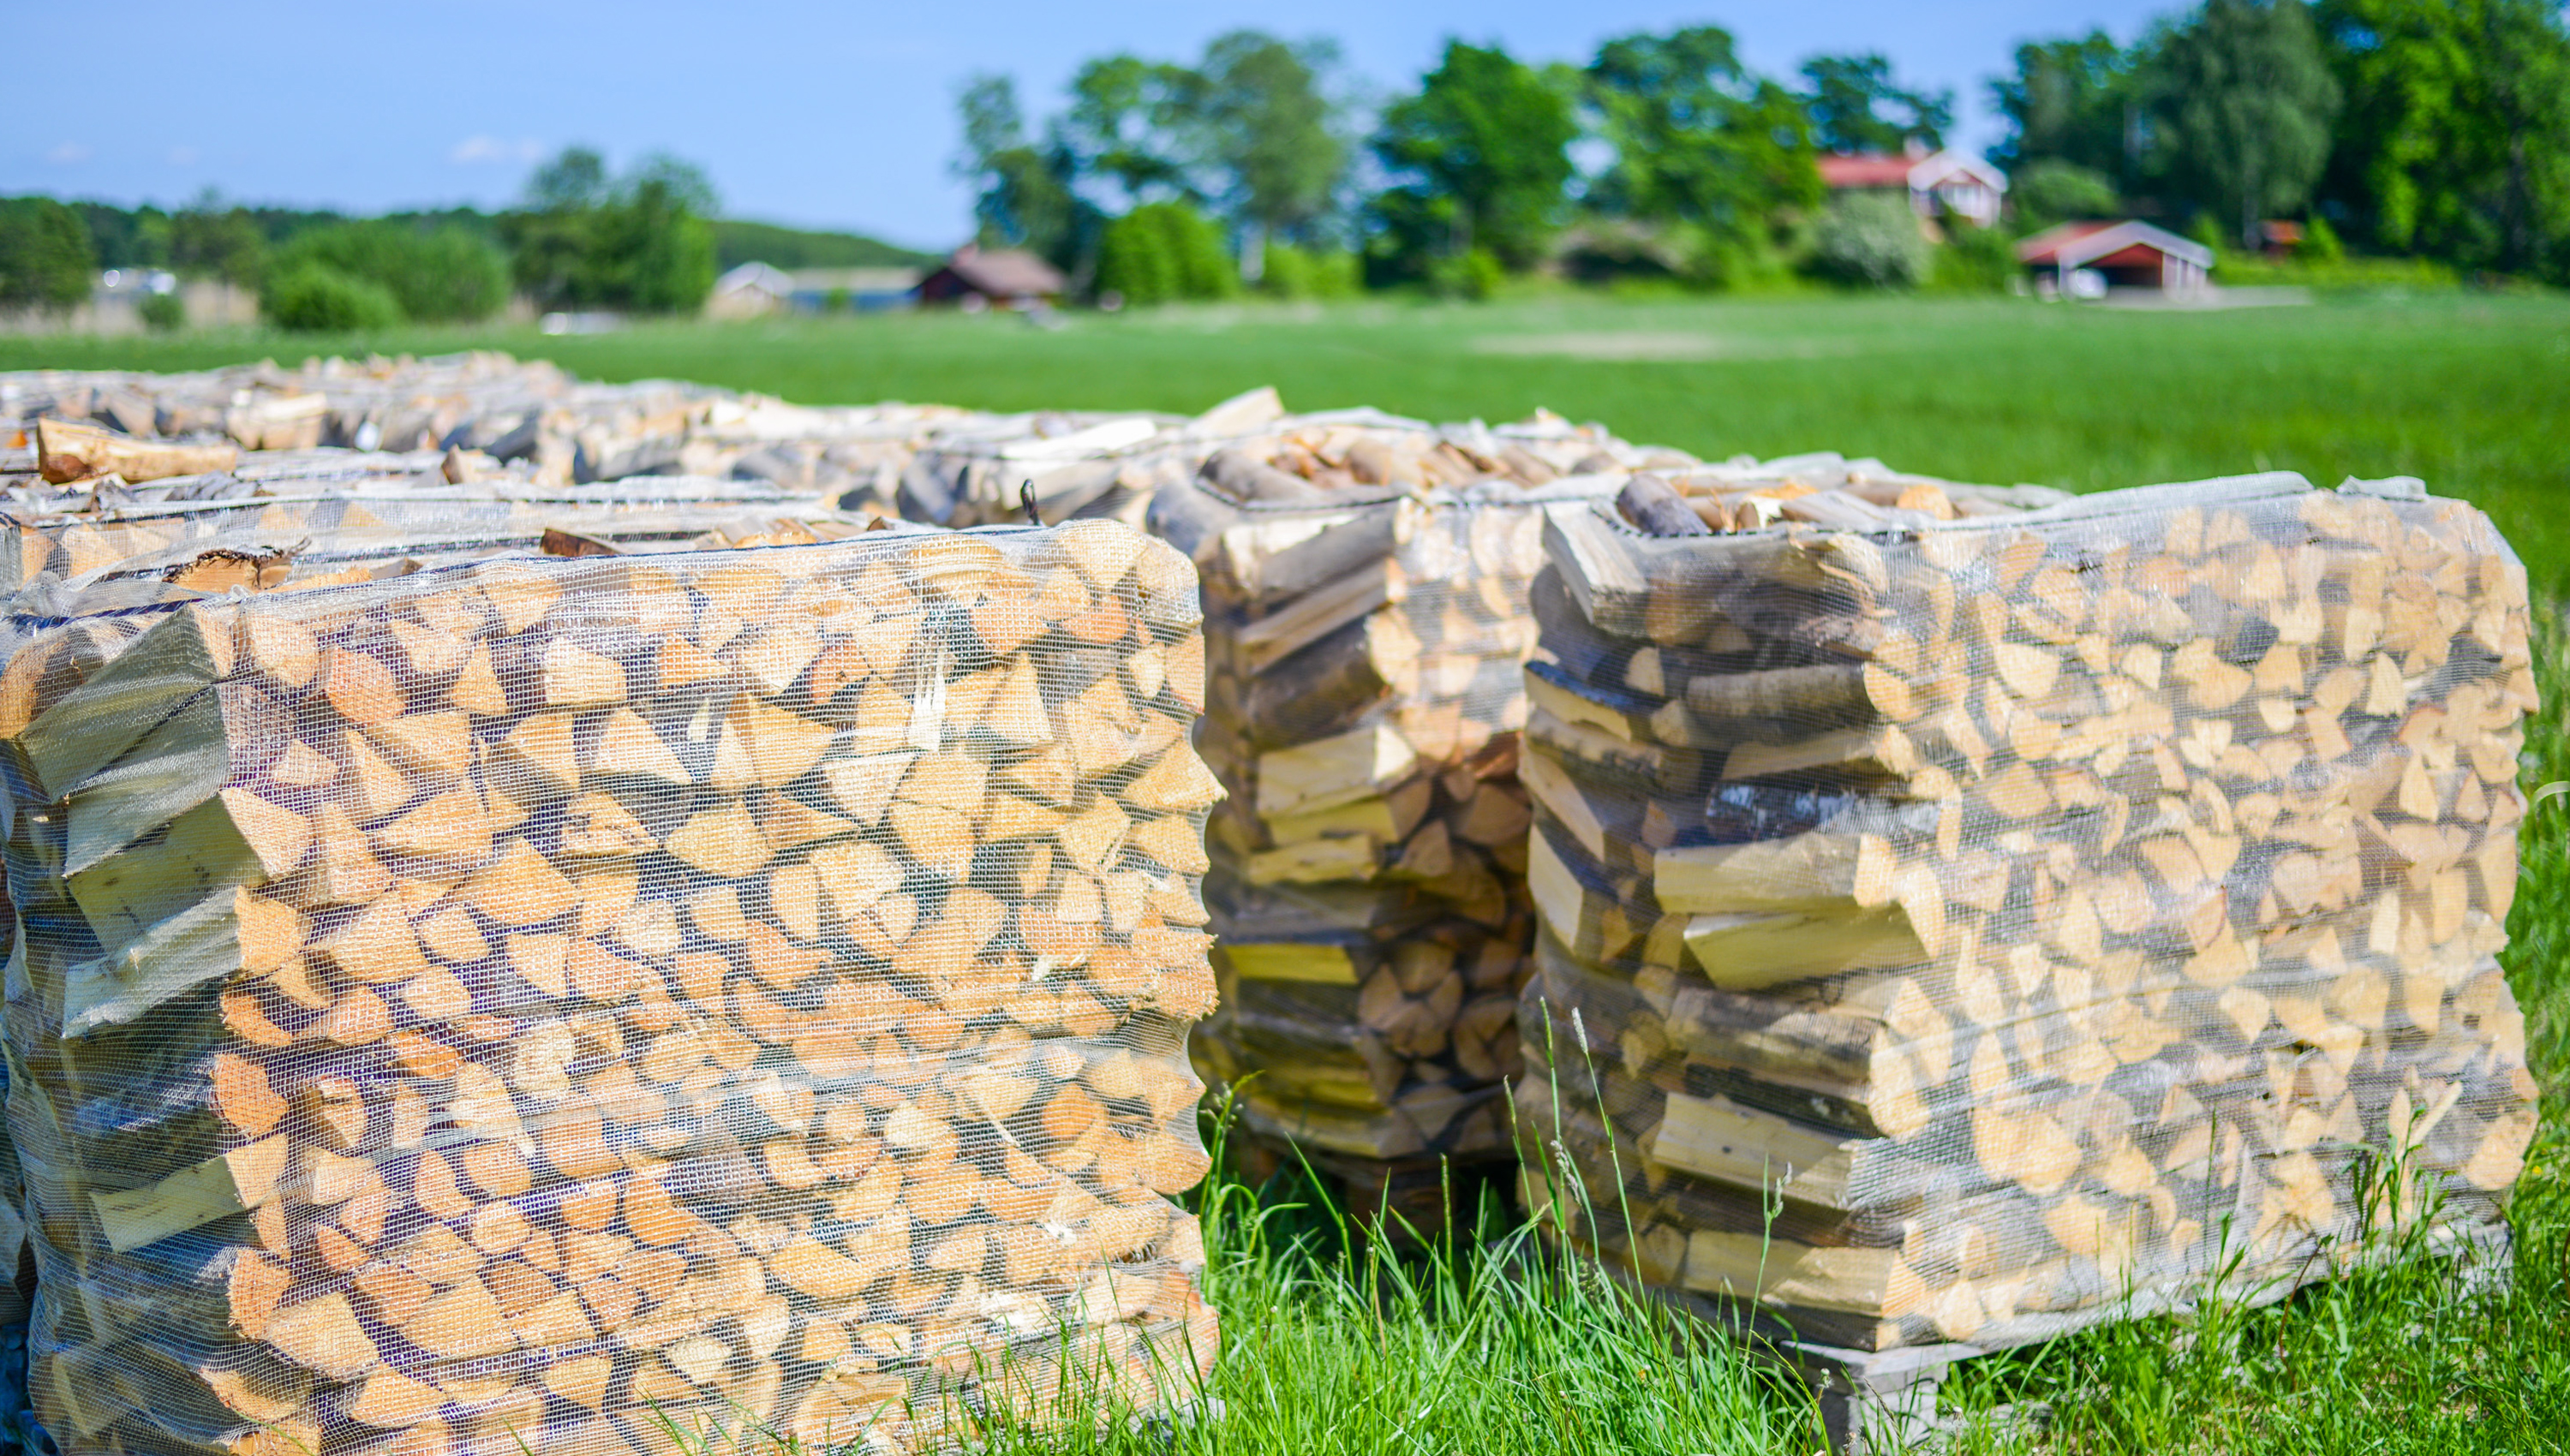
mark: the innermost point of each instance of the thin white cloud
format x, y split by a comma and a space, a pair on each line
68, 154
480, 149
183, 156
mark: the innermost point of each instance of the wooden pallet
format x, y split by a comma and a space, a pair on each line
1884, 1402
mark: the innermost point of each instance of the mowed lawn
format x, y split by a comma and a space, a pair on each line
1508, 1356
2466, 391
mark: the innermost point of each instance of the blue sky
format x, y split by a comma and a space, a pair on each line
820, 115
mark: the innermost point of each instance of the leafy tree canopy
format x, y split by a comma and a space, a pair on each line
1269, 129
2245, 102
1855, 106
45, 255
1025, 196
2455, 138
639, 242
1697, 138
1484, 143
2075, 100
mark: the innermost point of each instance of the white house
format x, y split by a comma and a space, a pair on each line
1948, 183
753, 291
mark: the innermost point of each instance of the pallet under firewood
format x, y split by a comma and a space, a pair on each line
1886, 1403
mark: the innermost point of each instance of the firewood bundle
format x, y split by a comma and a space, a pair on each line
1070, 465
1964, 932
598, 1005
1366, 626
372, 403
146, 427
142, 557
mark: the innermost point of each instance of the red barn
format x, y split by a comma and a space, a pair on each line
2081, 259
1006, 278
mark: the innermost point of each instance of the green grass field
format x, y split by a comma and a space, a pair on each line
1494, 1354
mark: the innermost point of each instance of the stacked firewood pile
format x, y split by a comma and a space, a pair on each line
1951, 932
298, 518
1365, 619
556, 430
1070, 465
587, 1004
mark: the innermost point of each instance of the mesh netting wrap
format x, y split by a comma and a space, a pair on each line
2046, 914
1365, 618
1082, 464
598, 1004
143, 556
261, 543
148, 427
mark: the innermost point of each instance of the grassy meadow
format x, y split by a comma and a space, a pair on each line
1487, 1349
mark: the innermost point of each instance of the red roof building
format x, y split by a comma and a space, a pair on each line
1008, 278
1949, 182
2124, 255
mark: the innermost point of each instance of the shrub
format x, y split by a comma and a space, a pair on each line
1973, 260
2319, 244
45, 256
1162, 253
162, 313
1871, 240
443, 275
1295, 272
313, 297
2049, 191
2205, 230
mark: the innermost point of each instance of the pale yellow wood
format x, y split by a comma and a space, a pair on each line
1328, 966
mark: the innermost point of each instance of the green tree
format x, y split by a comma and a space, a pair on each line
658, 225
210, 241
1973, 259
1697, 139
1163, 252
1483, 146
2075, 100
1871, 240
1854, 107
137, 238
2244, 102
1295, 272
1270, 133
45, 256
2456, 139
576, 177
2320, 244
162, 313
437, 274
314, 298
1024, 198
639, 242
2051, 190
1126, 124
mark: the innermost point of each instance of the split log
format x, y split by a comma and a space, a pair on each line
67, 452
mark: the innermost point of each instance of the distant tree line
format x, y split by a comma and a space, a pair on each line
2436, 129
580, 238
2433, 128
1154, 171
